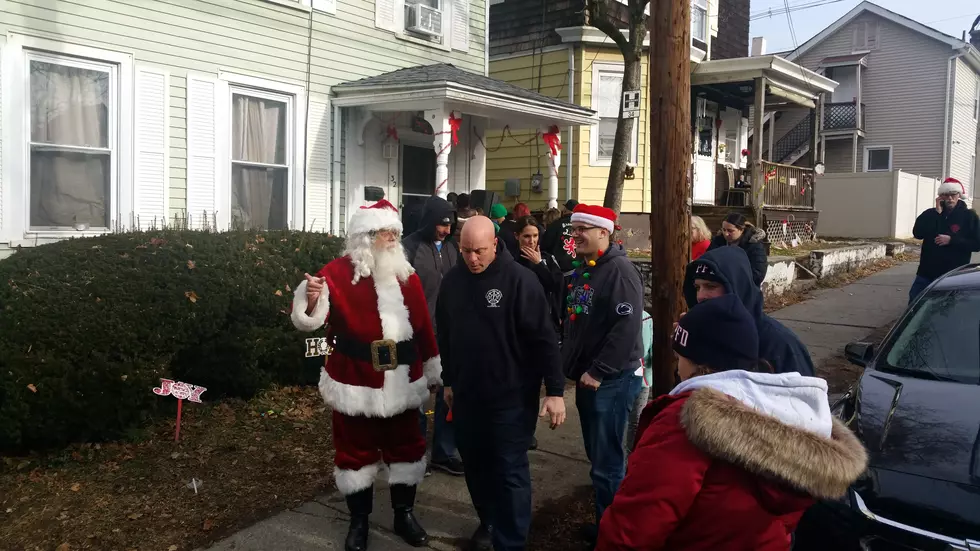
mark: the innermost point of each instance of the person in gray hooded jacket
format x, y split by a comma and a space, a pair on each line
432, 253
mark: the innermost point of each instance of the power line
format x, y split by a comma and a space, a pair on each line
786, 9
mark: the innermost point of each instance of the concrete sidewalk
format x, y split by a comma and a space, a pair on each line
834, 317
825, 323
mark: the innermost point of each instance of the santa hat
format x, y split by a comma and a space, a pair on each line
952, 185
379, 216
596, 216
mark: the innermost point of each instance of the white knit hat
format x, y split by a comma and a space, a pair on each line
379, 216
951, 185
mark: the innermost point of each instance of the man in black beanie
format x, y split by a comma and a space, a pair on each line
719, 334
726, 271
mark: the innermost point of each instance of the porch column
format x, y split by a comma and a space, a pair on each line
854, 152
857, 100
478, 157
814, 135
759, 119
552, 142
443, 123
772, 137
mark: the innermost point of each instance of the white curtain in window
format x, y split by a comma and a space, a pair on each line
259, 136
610, 97
69, 110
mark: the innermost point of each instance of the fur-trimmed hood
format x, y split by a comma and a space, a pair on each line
775, 426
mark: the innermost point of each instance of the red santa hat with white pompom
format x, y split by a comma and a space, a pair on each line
379, 216
595, 215
952, 185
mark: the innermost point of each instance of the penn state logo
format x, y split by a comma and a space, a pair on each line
624, 308
494, 296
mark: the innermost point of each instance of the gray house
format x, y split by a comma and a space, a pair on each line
258, 113
908, 99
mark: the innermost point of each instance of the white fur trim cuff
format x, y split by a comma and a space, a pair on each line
432, 369
318, 317
398, 395
351, 481
410, 474
597, 221
367, 220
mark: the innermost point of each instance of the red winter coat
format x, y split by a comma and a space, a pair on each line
710, 473
699, 248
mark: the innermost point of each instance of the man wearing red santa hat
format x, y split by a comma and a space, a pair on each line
950, 234
385, 361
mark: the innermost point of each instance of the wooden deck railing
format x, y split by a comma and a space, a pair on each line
787, 185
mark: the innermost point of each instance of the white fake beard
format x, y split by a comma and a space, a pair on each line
368, 260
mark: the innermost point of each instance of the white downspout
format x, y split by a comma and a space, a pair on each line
335, 188
944, 170
570, 143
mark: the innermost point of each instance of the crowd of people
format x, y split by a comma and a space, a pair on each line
485, 309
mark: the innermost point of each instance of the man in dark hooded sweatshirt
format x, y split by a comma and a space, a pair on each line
602, 347
430, 251
725, 271
497, 344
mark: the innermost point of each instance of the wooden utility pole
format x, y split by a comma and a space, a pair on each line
670, 157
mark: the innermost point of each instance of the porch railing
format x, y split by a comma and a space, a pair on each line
842, 116
792, 140
787, 185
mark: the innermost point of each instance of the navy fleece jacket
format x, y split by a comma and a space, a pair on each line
777, 344
604, 339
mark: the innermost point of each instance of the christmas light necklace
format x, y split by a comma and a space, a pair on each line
576, 304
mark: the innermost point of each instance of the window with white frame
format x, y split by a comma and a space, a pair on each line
607, 95
699, 20
866, 36
878, 159
72, 135
260, 159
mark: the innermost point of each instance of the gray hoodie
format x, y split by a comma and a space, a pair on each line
431, 263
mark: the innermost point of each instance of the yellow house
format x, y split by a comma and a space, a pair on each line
557, 55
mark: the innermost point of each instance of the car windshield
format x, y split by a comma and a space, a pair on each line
940, 340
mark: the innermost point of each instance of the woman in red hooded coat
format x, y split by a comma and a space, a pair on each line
732, 457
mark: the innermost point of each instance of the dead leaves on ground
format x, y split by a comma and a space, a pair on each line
129, 496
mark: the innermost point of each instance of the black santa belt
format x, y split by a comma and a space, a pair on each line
384, 354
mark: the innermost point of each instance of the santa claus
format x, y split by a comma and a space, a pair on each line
384, 363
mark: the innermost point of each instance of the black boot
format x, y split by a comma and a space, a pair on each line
359, 505
406, 525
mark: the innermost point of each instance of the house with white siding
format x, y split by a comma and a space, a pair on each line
264, 114
908, 99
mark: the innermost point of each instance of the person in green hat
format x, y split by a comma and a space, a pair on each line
498, 213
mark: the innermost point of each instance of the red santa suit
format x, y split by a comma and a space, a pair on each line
375, 412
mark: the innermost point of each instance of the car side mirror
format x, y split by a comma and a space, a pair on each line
860, 353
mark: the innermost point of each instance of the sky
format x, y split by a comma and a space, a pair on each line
949, 16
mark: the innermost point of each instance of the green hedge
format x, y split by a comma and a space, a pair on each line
89, 326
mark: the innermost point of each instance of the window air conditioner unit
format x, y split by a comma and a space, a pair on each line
423, 19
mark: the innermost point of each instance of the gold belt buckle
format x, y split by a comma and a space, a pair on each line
384, 355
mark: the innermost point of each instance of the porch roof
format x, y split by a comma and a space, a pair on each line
844, 60
446, 86
732, 81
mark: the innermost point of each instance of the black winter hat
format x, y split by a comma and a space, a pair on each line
703, 270
718, 333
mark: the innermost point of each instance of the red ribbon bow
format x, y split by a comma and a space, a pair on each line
392, 132
551, 138
454, 126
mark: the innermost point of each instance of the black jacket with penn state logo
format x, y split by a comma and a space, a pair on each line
496, 337
604, 338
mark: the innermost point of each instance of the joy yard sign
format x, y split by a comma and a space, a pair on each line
181, 391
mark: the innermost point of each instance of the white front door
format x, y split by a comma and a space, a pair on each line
704, 163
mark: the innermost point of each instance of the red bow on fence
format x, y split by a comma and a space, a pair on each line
551, 138
454, 127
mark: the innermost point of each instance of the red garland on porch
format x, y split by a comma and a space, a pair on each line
552, 139
454, 127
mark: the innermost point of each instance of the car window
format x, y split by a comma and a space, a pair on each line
940, 340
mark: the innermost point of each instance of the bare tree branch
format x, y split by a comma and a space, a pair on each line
604, 15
